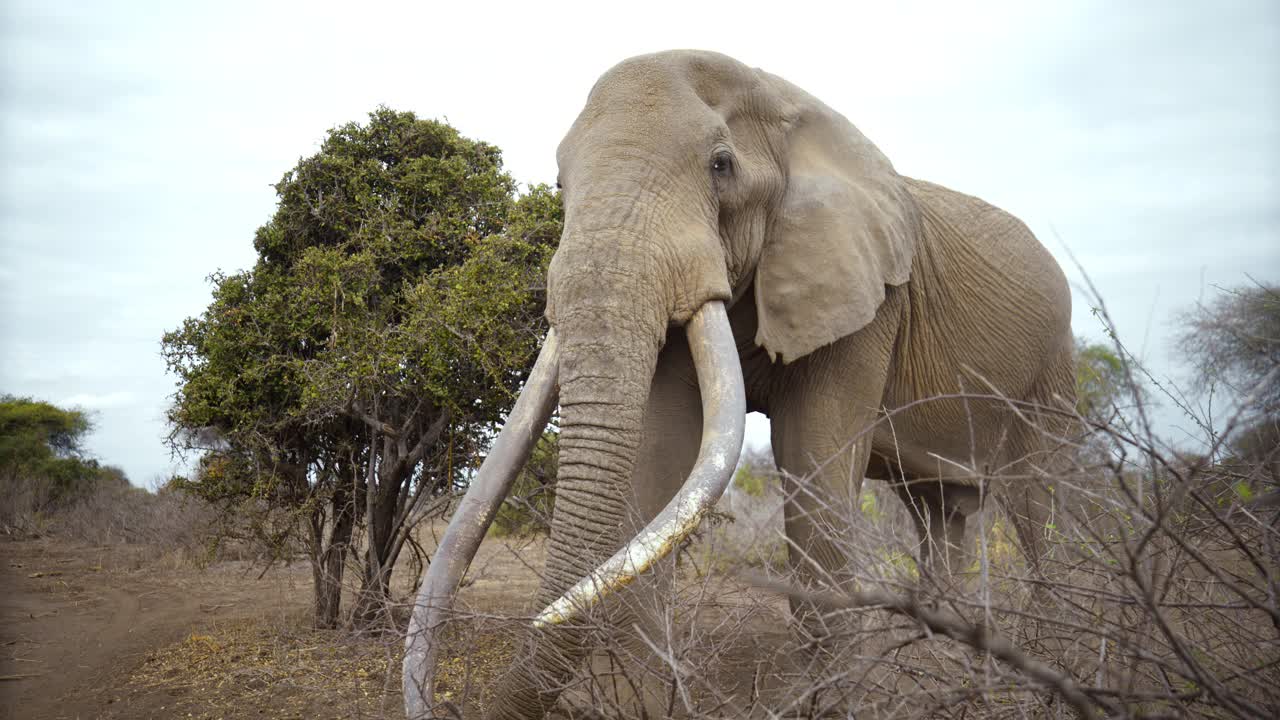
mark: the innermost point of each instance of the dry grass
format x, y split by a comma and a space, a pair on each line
178, 526
1170, 623
256, 668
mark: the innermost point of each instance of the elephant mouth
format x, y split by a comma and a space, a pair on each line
724, 409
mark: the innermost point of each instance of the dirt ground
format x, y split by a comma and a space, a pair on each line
77, 621
136, 632
126, 632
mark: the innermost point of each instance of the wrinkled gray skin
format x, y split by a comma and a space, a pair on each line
690, 177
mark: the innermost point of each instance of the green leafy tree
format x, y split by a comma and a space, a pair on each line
34, 432
756, 471
40, 441
240, 369
43, 466
394, 311
1100, 381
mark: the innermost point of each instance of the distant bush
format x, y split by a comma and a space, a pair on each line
756, 472
43, 469
167, 517
49, 486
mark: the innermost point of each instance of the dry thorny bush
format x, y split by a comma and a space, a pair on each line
172, 522
1157, 597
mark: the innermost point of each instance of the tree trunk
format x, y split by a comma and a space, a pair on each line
373, 603
327, 570
336, 518
387, 501
382, 503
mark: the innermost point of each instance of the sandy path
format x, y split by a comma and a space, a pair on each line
75, 620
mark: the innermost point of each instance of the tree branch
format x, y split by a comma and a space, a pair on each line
373, 422
952, 625
428, 438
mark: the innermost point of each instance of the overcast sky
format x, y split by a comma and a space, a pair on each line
140, 142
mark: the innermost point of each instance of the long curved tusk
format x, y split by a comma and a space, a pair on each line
724, 407
470, 522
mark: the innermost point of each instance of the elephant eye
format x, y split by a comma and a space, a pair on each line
722, 165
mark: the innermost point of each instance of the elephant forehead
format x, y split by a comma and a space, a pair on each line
706, 75
679, 96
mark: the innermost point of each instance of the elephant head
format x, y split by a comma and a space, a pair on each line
688, 179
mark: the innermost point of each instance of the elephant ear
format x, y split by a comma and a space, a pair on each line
846, 228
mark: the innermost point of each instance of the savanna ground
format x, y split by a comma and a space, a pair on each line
125, 631
128, 631
132, 630
1158, 599
120, 630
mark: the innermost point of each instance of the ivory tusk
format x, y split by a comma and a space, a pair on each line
470, 522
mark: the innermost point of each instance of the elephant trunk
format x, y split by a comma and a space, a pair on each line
601, 416
604, 388
724, 409
607, 359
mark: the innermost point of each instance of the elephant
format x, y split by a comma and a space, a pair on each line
732, 244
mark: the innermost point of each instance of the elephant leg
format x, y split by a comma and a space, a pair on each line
672, 432
940, 511
830, 398
1034, 496
1030, 503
